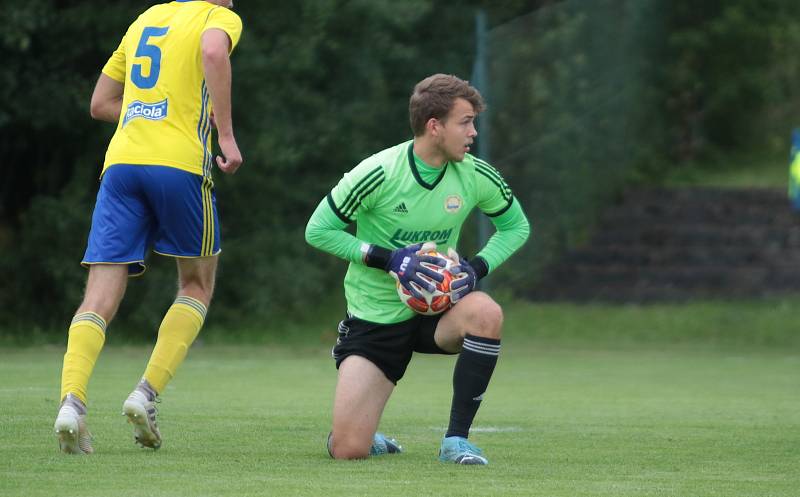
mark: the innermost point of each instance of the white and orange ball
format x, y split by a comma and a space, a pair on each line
437, 301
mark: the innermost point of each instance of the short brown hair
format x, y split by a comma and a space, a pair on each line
435, 95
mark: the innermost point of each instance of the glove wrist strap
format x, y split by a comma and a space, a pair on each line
376, 256
480, 266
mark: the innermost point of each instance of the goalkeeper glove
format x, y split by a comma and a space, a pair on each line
408, 265
466, 273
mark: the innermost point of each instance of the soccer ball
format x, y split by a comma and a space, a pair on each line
435, 302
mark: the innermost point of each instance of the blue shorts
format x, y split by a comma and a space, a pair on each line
172, 211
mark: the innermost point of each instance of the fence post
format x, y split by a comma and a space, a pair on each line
483, 147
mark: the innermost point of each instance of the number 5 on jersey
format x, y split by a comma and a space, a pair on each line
152, 52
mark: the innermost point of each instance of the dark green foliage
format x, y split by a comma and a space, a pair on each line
331, 86
318, 86
731, 75
52, 55
583, 96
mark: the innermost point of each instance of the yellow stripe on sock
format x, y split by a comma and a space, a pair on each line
86, 338
176, 334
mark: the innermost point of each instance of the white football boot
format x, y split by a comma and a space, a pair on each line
141, 412
70, 427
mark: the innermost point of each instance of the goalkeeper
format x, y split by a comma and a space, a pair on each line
418, 191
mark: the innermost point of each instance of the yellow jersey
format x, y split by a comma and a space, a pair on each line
165, 118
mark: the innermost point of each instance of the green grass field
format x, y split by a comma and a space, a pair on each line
662, 413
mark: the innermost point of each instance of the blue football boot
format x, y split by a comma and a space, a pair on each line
383, 445
458, 450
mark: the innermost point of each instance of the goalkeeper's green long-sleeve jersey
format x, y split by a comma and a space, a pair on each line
396, 200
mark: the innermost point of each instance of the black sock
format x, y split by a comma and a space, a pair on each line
471, 376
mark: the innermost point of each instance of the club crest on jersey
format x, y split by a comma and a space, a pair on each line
453, 203
153, 112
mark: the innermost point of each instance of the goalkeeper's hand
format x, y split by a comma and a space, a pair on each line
465, 275
406, 266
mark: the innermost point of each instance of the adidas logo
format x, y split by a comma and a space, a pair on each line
401, 208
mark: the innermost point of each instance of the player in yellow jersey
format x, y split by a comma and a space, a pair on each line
165, 86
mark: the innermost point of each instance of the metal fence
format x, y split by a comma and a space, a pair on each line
567, 92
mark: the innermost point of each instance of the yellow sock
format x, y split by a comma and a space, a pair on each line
178, 330
87, 333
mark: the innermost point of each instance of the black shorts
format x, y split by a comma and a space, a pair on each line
388, 346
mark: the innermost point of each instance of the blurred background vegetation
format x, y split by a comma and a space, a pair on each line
586, 98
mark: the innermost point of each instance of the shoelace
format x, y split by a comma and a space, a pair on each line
157, 400
465, 446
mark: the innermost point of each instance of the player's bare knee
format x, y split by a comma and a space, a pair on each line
484, 316
491, 320
348, 448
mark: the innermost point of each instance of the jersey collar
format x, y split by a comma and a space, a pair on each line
413, 165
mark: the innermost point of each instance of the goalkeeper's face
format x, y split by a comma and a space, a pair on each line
457, 131
223, 3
